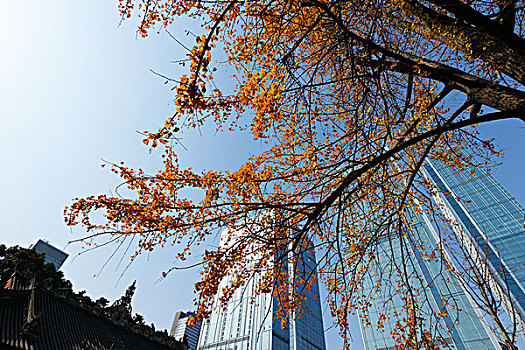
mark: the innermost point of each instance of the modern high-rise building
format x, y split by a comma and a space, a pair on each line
489, 223
491, 219
52, 255
249, 322
181, 331
445, 310
307, 331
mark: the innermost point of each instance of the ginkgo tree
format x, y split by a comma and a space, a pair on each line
350, 98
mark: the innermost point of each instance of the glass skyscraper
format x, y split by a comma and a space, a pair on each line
180, 329
52, 255
459, 325
307, 331
248, 320
491, 219
489, 223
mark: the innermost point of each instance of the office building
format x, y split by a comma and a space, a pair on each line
52, 255
307, 331
248, 320
492, 220
181, 331
489, 224
445, 310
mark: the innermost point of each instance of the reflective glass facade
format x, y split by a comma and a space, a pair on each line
493, 219
181, 331
308, 332
460, 326
52, 255
248, 322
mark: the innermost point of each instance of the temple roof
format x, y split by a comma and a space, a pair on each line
40, 319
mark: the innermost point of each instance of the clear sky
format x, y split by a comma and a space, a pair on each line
75, 88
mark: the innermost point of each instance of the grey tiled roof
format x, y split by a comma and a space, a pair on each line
37, 319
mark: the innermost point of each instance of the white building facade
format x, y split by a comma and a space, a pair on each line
248, 321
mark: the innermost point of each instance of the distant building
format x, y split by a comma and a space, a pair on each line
53, 255
180, 329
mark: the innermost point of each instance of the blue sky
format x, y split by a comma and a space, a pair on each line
75, 88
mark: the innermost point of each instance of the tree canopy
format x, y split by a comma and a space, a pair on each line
350, 98
30, 264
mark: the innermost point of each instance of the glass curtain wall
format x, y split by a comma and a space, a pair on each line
459, 325
492, 219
